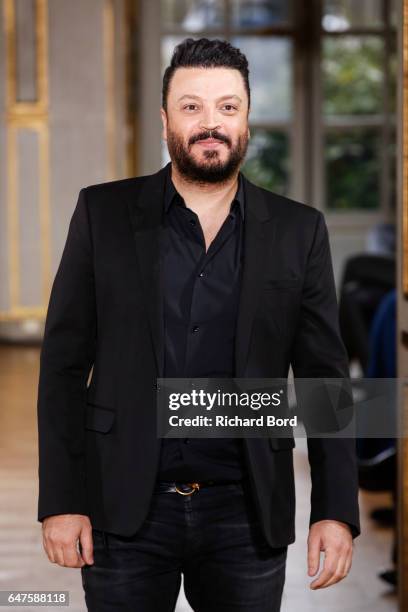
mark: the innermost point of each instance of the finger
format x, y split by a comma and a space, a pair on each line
49, 550
349, 560
345, 567
313, 555
329, 567
53, 546
71, 557
340, 572
86, 546
58, 554
53, 552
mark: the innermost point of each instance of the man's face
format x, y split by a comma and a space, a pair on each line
206, 124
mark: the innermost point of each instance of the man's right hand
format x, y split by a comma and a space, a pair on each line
60, 537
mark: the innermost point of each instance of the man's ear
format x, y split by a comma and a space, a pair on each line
164, 122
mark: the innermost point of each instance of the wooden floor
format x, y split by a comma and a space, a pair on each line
24, 564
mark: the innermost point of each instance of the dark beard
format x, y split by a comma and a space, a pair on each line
215, 172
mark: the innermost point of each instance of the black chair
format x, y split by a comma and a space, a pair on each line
366, 279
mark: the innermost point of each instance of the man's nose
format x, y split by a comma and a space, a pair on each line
209, 121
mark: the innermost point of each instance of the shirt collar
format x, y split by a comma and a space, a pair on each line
171, 192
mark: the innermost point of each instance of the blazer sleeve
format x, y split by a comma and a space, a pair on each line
318, 351
66, 357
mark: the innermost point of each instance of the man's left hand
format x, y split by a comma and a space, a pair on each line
334, 537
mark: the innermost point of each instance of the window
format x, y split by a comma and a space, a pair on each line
358, 84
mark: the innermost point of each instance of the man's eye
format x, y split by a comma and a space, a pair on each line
229, 107
188, 106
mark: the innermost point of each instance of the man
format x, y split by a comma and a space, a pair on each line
190, 272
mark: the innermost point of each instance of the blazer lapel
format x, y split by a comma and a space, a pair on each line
146, 214
259, 233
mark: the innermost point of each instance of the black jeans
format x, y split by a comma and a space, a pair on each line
212, 537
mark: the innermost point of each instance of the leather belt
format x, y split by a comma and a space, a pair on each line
188, 488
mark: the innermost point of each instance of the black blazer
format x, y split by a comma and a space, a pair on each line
98, 446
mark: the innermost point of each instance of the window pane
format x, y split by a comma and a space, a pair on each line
340, 15
353, 169
260, 13
270, 79
267, 160
192, 15
352, 75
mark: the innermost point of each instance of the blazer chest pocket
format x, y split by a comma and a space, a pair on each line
292, 282
99, 418
282, 443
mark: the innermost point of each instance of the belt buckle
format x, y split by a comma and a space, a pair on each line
194, 487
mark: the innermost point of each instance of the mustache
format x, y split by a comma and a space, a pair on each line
210, 134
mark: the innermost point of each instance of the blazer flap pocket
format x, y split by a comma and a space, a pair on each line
99, 418
282, 443
282, 283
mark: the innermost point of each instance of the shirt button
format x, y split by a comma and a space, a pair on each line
187, 441
201, 274
192, 222
195, 328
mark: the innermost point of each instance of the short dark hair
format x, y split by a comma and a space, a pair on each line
205, 53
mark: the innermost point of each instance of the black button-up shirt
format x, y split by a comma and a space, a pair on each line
201, 292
